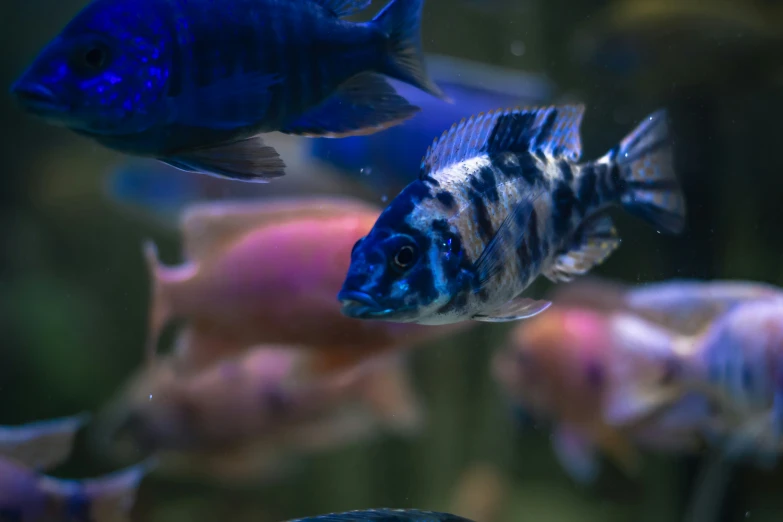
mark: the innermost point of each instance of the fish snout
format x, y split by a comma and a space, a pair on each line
35, 97
358, 304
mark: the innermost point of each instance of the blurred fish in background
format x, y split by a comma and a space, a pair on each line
27, 495
655, 47
389, 160
254, 416
269, 272
42, 444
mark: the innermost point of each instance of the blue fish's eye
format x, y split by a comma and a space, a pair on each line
91, 59
405, 257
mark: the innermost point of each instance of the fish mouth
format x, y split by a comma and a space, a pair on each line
36, 98
360, 305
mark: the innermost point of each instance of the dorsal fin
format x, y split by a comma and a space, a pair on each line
553, 130
206, 226
342, 8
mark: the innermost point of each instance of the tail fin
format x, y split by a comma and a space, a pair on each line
401, 21
42, 445
109, 498
645, 161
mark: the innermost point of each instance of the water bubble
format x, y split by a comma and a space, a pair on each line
384, 198
366, 171
150, 396
517, 48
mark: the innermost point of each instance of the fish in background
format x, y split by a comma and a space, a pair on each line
158, 193
654, 46
195, 85
567, 369
385, 515
27, 495
268, 273
41, 445
253, 416
501, 198
387, 161
735, 364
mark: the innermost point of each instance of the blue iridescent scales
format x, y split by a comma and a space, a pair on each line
508, 188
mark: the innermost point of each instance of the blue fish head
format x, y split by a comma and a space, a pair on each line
399, 273
106, 73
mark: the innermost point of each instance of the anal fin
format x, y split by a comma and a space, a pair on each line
514, 310
244, 160
362, 105
593, 242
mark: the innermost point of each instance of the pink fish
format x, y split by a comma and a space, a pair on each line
269, 273
250, 415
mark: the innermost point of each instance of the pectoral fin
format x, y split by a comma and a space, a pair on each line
592, 244
514, 310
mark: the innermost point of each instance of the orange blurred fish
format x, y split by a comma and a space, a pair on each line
268, 273
567, 367
251, 415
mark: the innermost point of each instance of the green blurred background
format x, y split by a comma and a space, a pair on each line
74, 286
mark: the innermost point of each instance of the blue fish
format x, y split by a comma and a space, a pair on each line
387, 161
502, 198
385, 515
44, 444
195, 83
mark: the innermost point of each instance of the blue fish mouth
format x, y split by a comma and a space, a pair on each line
360, 305
37, 99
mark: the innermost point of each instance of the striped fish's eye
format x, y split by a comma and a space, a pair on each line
405, 257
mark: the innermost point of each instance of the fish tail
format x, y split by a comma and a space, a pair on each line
160, 310
649, 188
400, 20
112, 496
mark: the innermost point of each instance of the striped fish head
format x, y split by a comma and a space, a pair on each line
106, 73
406, 269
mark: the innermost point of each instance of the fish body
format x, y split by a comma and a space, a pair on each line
248, 415
385, 515
28, 496
501, 198
194, 84
569, 368
261, 273
41, 445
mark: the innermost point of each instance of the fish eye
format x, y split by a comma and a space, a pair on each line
404, 257
95, 57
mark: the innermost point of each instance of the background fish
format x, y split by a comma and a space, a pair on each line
501, 199
41, 445
197, 95
252, 416
260, 273
26, 496
389, 160
566, 369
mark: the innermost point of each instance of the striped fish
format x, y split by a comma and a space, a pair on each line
194, 83
502, 198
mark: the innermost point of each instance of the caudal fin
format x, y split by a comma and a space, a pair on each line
645, 161
401, 21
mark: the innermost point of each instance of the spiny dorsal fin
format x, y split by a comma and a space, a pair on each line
206, 226
342, 8
553, 130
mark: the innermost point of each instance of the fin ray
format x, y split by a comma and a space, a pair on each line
593, 242
516, 309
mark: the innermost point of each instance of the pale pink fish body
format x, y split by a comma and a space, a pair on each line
266, 273
243, 416
566, 366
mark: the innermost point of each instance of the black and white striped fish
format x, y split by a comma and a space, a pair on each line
500, 199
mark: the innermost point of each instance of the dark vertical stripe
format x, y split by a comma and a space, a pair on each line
565, 170
481, 213
532, 239
485, 184
563, 202
587, 187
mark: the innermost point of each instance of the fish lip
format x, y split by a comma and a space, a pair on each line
360, 305
36, 98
